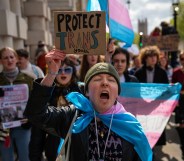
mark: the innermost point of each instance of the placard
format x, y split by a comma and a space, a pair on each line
80, 32
13, 100
165, 43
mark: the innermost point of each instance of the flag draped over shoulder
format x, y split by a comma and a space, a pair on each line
152, 104
117, 18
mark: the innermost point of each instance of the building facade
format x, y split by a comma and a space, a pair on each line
25, 22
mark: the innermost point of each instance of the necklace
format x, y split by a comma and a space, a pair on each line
97, 140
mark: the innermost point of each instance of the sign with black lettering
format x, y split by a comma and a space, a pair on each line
80, 32
165, 43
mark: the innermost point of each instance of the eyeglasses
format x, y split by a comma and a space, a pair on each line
66, 70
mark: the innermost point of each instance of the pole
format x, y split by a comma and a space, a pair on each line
175, 19
108, 4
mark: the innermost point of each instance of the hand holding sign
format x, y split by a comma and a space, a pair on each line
53, 60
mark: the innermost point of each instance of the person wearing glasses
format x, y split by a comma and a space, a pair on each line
66, 81
178, 76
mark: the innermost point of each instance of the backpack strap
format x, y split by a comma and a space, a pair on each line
67, 138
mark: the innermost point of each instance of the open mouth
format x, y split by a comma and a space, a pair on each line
63, 77
104, 95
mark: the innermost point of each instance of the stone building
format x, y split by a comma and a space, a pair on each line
143, 26
28, 21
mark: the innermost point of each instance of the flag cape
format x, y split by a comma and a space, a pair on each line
123, 124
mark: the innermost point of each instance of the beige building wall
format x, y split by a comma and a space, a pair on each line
64, 5
38, 17
28, 21
13, 30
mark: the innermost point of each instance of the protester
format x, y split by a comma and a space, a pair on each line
156, 32
170, 30
40, 47
41, 51
136, 64
121, 61
18, 136
66, 81
150, 72
178, 76
164, 64
101, 122
87, 62
26, 67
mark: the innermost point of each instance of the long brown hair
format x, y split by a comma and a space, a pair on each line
85, 67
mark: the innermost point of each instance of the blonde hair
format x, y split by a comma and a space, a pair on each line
8, 48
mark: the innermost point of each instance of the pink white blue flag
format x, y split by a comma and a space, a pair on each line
152, 104
120, 26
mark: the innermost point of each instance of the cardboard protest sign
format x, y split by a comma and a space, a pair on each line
165, 43
80, 32
13, 100
152, 104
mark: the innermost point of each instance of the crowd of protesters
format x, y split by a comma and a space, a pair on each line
50, 113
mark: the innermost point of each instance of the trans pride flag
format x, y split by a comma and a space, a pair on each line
152, 104
117, 18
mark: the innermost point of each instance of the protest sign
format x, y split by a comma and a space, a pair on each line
13, 100
80, 32
165, 43
152, 104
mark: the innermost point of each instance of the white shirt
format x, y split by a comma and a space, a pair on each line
33, 71
122, 78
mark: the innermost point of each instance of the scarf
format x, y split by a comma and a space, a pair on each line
124, 124
11, 75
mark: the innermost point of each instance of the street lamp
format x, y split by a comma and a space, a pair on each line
175, 5
140, 40
128, 2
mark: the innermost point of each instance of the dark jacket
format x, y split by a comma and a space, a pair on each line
20, 79
160, 75
130, 78
41, 140
57, 122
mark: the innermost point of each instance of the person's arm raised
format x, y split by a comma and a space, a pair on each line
53, 60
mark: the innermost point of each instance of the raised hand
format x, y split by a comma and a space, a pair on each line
53, 60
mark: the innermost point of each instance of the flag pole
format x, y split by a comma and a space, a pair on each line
109, 17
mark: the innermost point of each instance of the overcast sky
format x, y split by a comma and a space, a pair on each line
154, 10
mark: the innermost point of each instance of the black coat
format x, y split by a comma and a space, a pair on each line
130, 78
57, 122
160, 75
41, 140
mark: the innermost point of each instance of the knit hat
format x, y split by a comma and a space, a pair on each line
101, 68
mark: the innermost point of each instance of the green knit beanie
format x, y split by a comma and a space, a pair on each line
102, 68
